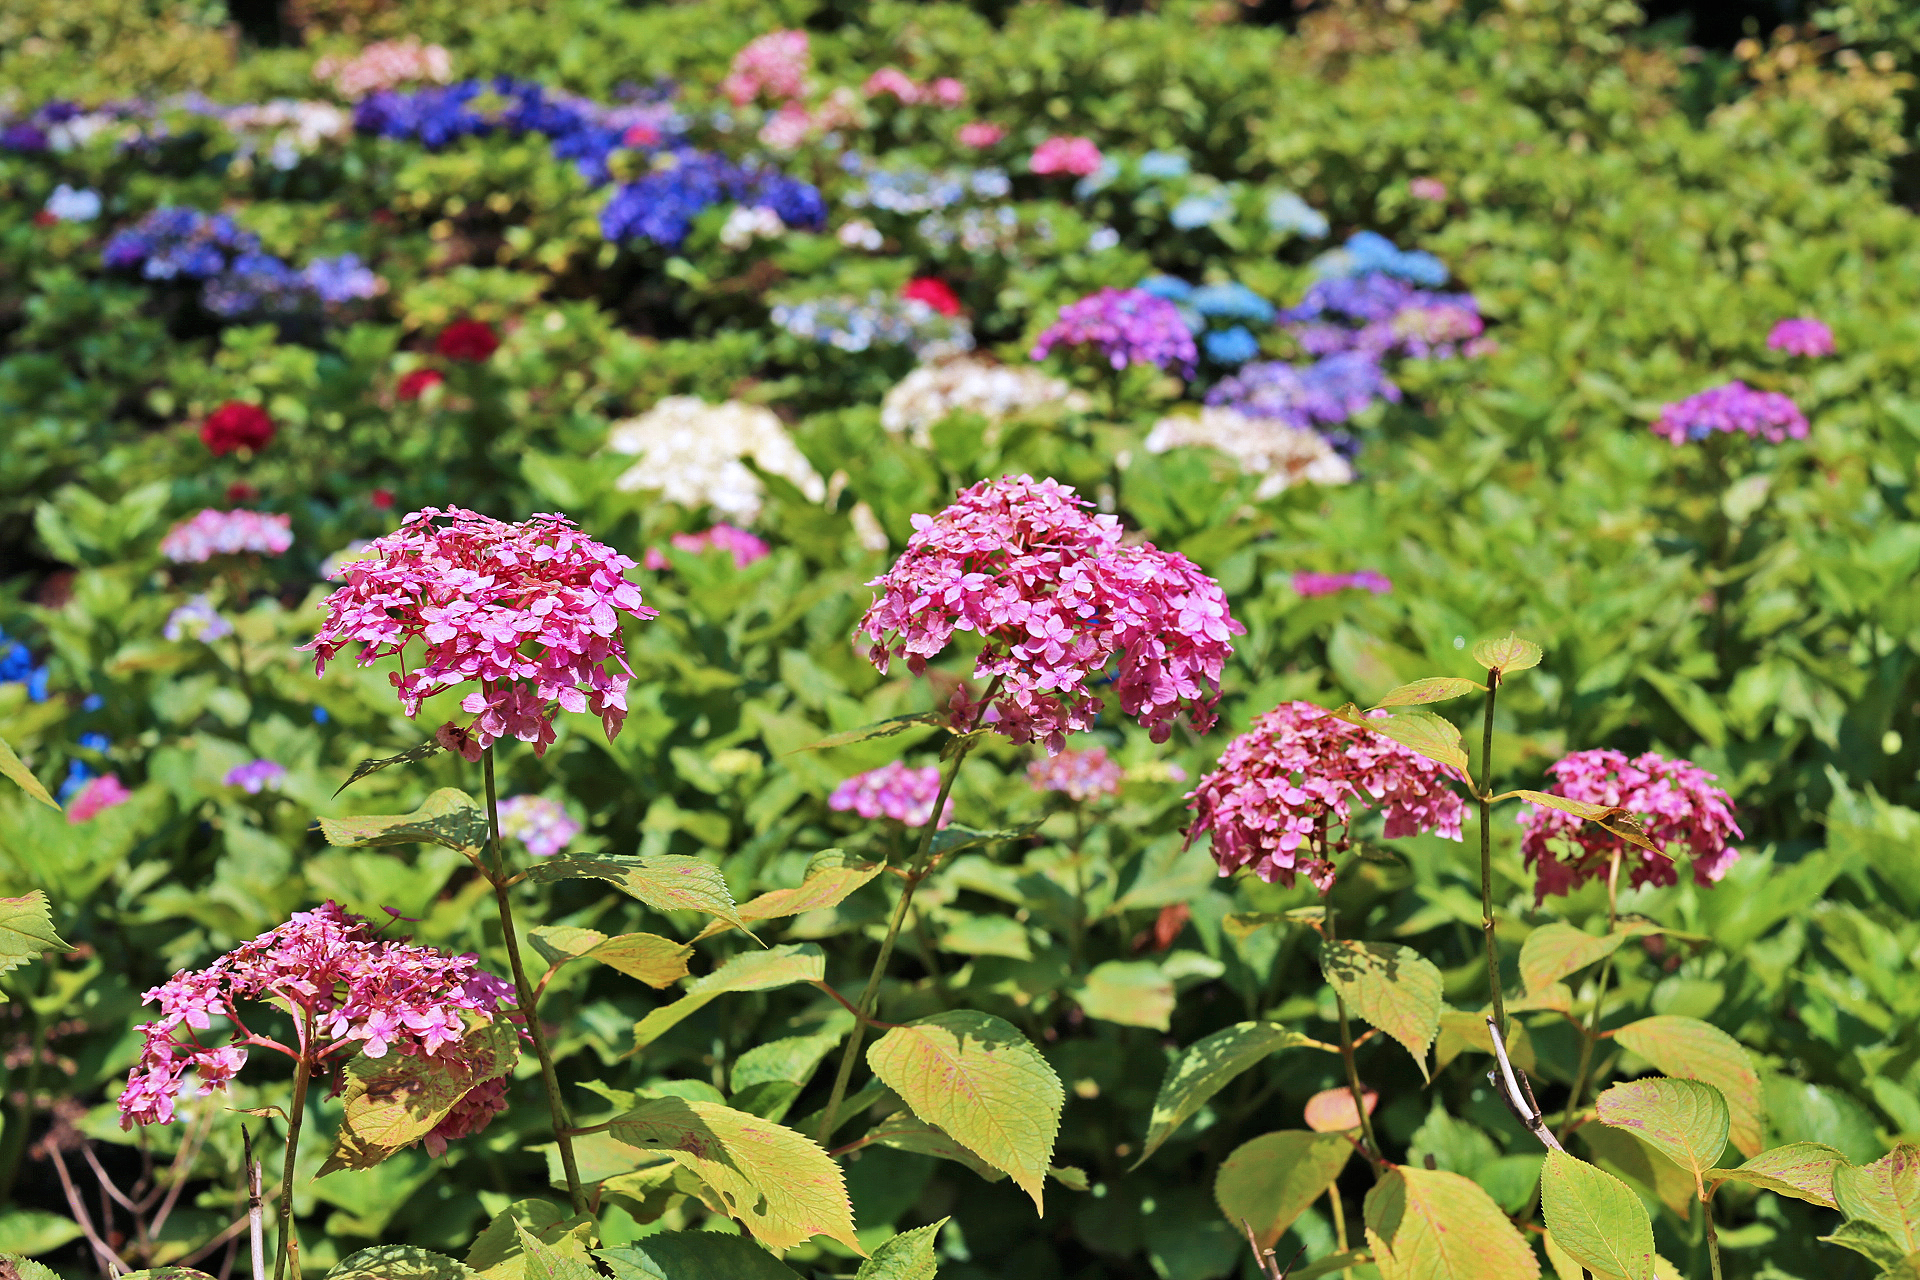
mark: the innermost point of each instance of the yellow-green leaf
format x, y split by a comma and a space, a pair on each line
499, 1251
654, 960
1271, 1180
1803, 1170
748, 971
1418, 731
1431, 689
781, 1186
1461, 1031
1133, 993
903, 1131
395, 1100
1207, 1066
428, 748
399, 1262
980, 1081
1620, 1153
13, 767
1597, 1218
831, 877
1428, 1224
1394, 987
1566, 1268
664, 881
1555, 950
543, 1261
1612, 817
693, 1255
559, 943
1508, 655
1884, 1194
450, 817
908, 1256
1690, 1049
1684, 1120
879, 729
26, 930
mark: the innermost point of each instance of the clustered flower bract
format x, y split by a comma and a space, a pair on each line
227, 533
542, 825
1121, 327
895, 791
1081, 775
1734, 406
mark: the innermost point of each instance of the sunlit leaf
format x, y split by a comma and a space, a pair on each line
559, 943
1427, 1224
908, 1256
748, 971
981, 1082
499, 1251
1884, 1194
1597, 1218
1421, 732
1620, 1153
1207, 1066
26, 930
1869, 1241
1611, 817
953, 839
1684, 1120
1394, 987
1508, 655
13, 767
1271, 1180
831, 877
654, 960
1431, 689
544, 1262
449, 817
879, 729
400, 1262
1690, 1049
1803, 1170
693, 1255
903, 1131
411, 754
1333, 1110
1461, 1030
1133, 993
395, 1100
664, 881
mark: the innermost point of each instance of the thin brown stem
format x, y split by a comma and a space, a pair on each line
1485, 797
181, 1170
527, 998
109, 1261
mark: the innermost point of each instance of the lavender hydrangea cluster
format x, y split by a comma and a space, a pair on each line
1121, 327
661, 206
911, 192
1733, 406
176, 244
1318, 395
877, 320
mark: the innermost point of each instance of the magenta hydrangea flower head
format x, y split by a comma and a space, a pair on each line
1120, 327
531, 611
1675, 801
256, 775
1299, 772
1082, 775
226, 533
1308, 584
541, 824
1764, 415
893, 791
1801, 336
1062, 604
99, 794
328, 969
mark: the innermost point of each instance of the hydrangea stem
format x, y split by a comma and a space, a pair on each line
527, 998
287, 1254
1484, 795
1374, 1154
1713, 1236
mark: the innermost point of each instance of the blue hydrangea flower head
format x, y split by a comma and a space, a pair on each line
1230, 346
1233, 301
1288, 212
1160, 166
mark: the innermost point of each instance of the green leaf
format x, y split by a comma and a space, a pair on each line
1271, 1180
1418, 731
1611, 817
559, 943
1803, 1170
878, 729
1884, 1194
1508, 655
1328, 1265
1426, 1224
1133, 993
781, 1186
654, 960
908, 1256
26, 930
664, 881
693, 1255
980, 1081
497, 1253
954, 839
1908, 1268
399, 1262
1207, 1066
545, 1262
1689, 1049
1597, 1218
831, 877
749, 971
1394, 987
903, 1131
1556, 950
1869, 1241
411, 754
1566, 1268
395, 1100
13, 767
33, 1231
450, 817
1624, 1155
27, 1269
1683, 1120
1431, 689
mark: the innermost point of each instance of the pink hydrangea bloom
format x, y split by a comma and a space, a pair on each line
103, 792
383, 65
893, 791
1735, 406
1283, 786
980, 134
1675, 800
946, 91
894, 81
773, 66
1061, 605
1428, 189
1803, 336
226, 533
1077, 156
722, 537
530, 610
325, 965
541, 824
1120, 327
1436, 331
1310, 585
256, 775
1081, 774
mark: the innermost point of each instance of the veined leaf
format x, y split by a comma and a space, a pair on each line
831, 877
1271, 1180
1431, 689
499, 1251
559, 943
428, 748
693, 1255
908, 1256
26, 930
1689, 1049
781, 1186
1418, 731
544, 1262
1427, 1224
400, 1262
395, 1100
1557, 950
1394, 987
1611, 817
654, 960
1869, 1241
1132, 993
1684, 1120
1508, 655
748, 971
903, 1131
1597, 1218
13, 767
1332, 1110
1803, 1170
878, 729
1566, 1268
954, 839
1207, 1066
664, 881
1884, 1194
450, 817
980, 1081
1624, 1155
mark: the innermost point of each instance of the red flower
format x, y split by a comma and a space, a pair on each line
934, 292
640, 135
240, 491
470, 340
235, 425
415, 384
382, 499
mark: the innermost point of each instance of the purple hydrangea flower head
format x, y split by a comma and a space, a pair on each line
1735, 406
1122, 327
1326, 392
543, 825
894, 791
256, 283
199, 619
1310, 585
341, 279
255, 776
1802, 336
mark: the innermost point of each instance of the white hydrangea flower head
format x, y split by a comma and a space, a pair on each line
1281, 454
970, 383
692, 451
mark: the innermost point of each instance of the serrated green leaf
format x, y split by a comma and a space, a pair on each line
1431, 689
1908, 1268
499, 1252
654, 960
665, 881
559, 943
1426, 1224
1207, 1066
1461, 1031
693, 1255
1566, 1268
1394, 987
1271, 1180
979, 1080
1597, 1218
26, 930
1803, 1170
903, 1131
1555, 950
27, 1269
1625, 1156
831, 877
1689, 1049
908, 1256
393, 1101
1884, 1194
1611, 817
878, 729
411, 754
1508, 655
13, 767
1132, 993
1869, 1241
781, 1186
749, 971
1684, 1120
399, 1262
544, 1262
956, 838
450, 817
1421, 732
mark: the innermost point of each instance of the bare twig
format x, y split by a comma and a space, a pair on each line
181, 1168
1519, 1100
109, 1260
256, 1217
231, 1230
